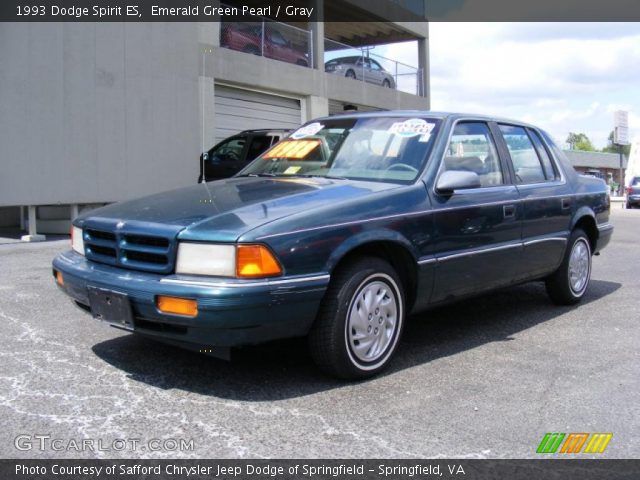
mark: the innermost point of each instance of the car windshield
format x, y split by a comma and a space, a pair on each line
386, 149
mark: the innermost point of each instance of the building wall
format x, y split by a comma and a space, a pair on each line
97, 112
101, 112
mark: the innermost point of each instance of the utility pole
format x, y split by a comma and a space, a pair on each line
621, 138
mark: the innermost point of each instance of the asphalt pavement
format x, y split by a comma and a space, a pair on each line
484, 378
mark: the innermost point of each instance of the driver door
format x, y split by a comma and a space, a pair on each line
226, 158
478, 230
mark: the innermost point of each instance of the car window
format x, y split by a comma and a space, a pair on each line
386, 149
228, 151
375, 65
277, 38
635, 182
472, 149
549, 170
257, 145
526, 162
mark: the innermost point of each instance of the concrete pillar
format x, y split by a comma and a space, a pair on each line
315, 107
21, 217
317, 36
423, 63
74, 211
33, 235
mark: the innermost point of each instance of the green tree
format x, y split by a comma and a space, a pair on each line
613, 148
579, 141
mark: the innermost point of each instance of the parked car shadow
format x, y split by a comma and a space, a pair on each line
284, 369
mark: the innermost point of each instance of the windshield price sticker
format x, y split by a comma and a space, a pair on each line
412, 128
307, 130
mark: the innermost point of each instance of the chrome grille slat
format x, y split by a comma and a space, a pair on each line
152, 253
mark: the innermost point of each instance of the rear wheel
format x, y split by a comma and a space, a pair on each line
350, 74
569, 283
386, 83
360, 320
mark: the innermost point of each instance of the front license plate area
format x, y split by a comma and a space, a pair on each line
111, 307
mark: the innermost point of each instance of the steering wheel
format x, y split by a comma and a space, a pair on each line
231, 155
402, 166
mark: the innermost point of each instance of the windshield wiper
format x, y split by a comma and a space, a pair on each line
331, 177
259, 175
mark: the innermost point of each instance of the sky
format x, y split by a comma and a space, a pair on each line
562, 77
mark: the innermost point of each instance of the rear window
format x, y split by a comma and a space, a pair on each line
524, 157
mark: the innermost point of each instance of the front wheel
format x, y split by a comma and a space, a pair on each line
568, 284
360, 320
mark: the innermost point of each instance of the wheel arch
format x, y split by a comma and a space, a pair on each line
389, 246
585, 219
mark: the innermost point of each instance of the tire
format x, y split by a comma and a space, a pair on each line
568, 284
350, 74
386, 83
346, 341
302, 63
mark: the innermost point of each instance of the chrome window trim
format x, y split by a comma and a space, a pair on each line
243, 284
444, 154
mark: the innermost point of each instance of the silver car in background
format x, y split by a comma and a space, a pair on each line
360, 68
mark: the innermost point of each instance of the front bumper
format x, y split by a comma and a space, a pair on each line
230, 312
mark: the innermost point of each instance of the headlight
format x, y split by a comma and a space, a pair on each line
241, 261
77, 242
206, 259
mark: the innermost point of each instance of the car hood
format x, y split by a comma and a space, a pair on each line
226, 209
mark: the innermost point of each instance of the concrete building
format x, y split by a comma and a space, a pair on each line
94, 113
605, 165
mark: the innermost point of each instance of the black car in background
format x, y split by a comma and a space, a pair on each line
231, 155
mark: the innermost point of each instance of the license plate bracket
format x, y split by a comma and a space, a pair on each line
111, 307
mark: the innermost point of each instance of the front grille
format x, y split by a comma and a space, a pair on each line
134, 250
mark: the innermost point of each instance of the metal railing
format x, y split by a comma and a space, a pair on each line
363, 65
269, 39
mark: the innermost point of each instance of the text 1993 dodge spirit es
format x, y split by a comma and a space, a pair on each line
338, 232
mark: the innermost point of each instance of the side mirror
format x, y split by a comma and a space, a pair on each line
452, 180
205, 156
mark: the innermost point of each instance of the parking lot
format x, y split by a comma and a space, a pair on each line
485, 378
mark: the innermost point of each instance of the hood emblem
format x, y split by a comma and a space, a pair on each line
119, 225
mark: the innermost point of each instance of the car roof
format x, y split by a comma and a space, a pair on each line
266, 130
427, 113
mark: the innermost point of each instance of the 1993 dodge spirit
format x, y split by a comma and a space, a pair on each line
340, 231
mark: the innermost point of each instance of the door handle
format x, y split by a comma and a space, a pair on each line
566, 203
509, 211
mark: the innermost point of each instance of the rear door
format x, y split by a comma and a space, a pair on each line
547, 200
477, 245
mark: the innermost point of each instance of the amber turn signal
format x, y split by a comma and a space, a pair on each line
60, 279
254, 261
177, 306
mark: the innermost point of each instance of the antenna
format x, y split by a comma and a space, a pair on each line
203, 90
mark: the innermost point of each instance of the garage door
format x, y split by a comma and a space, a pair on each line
238, 110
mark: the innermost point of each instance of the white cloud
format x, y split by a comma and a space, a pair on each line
562, 77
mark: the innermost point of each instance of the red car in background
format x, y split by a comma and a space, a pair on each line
249, 38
